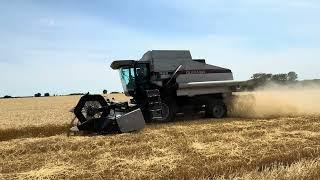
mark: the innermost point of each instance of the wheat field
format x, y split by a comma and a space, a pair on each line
276, 140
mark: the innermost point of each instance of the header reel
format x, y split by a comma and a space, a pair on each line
96, 115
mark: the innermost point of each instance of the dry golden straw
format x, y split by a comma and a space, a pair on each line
276, 141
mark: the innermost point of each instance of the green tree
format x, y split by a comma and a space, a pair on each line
279, 77
261, 76
259, 79
292, 76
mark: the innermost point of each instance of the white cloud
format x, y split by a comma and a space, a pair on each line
241, 6
75, 55
48, 22
285, 3
85, 66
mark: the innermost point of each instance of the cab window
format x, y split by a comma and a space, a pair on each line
127, 77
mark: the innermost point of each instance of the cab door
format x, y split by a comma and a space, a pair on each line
142, 75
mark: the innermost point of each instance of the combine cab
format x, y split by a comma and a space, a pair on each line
161, 84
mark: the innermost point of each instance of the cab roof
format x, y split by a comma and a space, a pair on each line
122, 63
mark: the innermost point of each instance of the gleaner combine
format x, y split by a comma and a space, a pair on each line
162, 83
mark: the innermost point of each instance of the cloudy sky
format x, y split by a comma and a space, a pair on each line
61, 46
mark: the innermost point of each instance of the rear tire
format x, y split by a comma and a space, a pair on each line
216, 109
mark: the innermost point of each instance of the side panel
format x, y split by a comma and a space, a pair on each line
184, 78
203, 91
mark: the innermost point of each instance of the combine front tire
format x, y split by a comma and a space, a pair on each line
169, 110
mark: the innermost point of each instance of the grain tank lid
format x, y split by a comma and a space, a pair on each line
166, 54
122, 63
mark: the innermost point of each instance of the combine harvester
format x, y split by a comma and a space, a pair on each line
161, 84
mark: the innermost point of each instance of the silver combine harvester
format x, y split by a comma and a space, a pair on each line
162, 83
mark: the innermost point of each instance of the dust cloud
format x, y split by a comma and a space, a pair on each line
275, 100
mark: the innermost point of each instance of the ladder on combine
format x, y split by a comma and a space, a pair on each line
155, 105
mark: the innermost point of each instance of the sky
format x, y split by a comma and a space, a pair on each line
66, 46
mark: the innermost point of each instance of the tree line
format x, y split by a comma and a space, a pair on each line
48, 94
261, 79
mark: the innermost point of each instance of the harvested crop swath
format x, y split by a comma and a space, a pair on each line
33, 145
